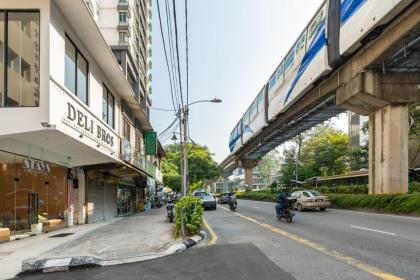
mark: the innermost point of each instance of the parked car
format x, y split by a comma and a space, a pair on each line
208, 201
225, 197
199, 193
310, 200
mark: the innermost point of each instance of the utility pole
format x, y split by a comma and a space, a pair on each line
181, 150
185, 173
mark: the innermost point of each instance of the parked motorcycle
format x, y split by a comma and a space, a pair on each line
288, 210
170, 211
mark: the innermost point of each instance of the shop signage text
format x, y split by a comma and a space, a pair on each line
36, 165
88, 125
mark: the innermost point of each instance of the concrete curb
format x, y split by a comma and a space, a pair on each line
66, 264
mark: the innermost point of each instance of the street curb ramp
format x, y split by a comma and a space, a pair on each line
30, 266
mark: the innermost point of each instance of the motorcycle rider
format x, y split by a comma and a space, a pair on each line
232, 199
281, 201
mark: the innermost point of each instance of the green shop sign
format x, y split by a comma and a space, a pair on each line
150, 143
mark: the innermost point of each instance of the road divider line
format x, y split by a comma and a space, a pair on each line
374, 230
332, 253
211, 231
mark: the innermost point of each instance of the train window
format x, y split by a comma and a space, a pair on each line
253, 111
280, 71
316, 22
246, 118
289, 59
300, 44
260, 100
272, 82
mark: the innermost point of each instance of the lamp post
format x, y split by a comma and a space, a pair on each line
182, 114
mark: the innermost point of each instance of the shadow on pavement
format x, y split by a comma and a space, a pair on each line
232, 261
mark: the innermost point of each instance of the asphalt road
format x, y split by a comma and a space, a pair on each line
333, 244
231, 261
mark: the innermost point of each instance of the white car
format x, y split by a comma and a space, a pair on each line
310, 200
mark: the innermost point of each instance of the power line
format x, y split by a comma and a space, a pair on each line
166, 56
172, 52
177, 53
169, 127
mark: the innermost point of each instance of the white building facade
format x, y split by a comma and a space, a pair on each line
62, 128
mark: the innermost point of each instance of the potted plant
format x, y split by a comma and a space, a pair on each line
36, 223
4, 233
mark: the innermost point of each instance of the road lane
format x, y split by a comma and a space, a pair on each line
397, 254
299, 260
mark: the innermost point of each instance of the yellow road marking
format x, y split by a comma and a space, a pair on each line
346, 259
211, 231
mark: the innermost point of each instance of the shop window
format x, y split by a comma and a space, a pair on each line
137, 144
126, 129
76, 71
108, 107
19, 59
29, 187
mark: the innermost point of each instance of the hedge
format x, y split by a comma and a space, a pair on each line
190, 210
394, 203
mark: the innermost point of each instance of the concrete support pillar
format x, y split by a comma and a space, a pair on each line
249, 180
81, 192
388, 150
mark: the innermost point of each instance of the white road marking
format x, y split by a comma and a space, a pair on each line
378, 214
257, 207
375, 230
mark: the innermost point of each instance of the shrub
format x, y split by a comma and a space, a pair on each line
395, 203
414, 187
190, 210
351, 189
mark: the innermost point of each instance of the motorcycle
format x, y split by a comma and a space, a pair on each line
288, 210
233, 204
170, 211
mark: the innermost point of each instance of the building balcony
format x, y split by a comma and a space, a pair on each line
137, 160
123, 5
123, 26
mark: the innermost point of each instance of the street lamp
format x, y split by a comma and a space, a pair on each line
182, 114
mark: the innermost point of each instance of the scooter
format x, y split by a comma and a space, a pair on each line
170, 211
233, 204
288, 210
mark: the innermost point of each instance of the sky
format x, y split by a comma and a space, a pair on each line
234, 46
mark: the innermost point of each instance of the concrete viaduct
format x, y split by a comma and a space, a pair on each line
380, 80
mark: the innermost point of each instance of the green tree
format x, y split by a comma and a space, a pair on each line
322, 151
201, 166
268, 166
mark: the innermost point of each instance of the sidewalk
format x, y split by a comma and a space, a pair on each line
139, 234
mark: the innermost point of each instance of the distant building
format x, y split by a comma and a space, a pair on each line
355, 124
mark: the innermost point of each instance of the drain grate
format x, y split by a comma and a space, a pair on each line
61, 235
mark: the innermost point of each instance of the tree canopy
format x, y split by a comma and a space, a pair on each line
321, 152
201, 166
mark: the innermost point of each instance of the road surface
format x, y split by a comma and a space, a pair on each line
334, 244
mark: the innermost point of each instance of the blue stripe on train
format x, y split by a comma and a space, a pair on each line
233, 142
348, 8
319, 41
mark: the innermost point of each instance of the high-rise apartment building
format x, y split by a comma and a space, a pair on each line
126, 26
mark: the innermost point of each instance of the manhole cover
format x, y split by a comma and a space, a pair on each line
61, 234
5, 253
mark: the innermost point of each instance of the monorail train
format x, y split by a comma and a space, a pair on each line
337, 30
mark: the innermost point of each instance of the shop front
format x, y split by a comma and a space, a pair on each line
30, 187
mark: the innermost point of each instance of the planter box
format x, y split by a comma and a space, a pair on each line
4, 235
53, 224
36, 228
